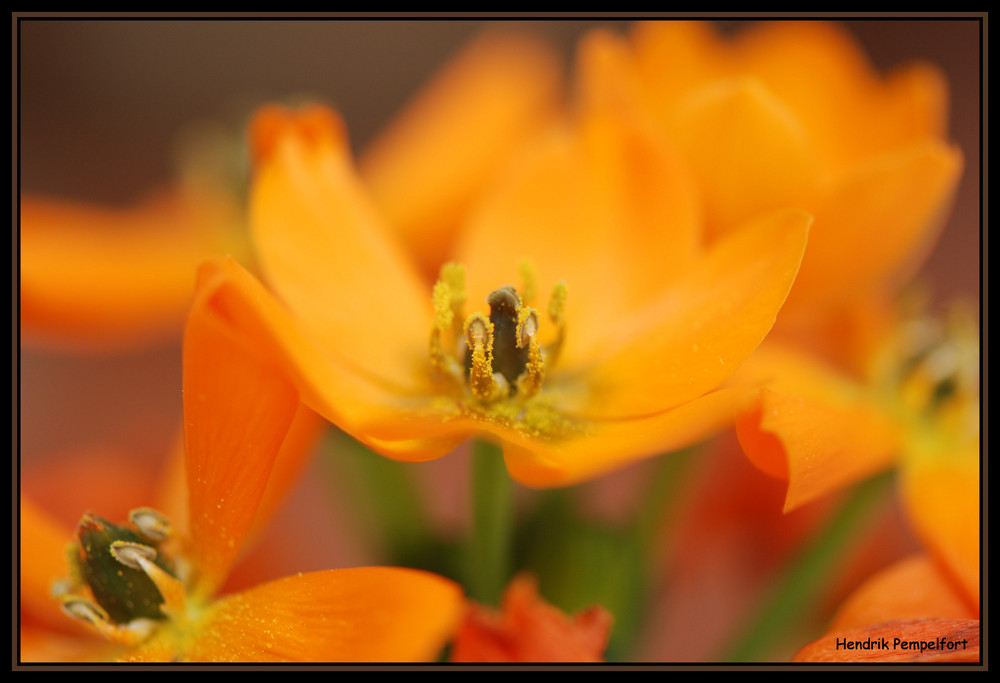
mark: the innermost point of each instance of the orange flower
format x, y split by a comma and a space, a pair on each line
149, 588
530, 630
792, 114
910, 612
645, 324
96, 277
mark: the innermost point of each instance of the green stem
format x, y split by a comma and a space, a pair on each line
386, 496
659, 505
490, 546
799, 587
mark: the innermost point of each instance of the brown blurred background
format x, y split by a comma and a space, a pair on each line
100, 105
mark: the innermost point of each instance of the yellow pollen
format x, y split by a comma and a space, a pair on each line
496, 366
479, 336
529, 281
443, 314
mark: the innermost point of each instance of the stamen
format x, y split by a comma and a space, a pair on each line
529, 281
131, 634
129, 553
109, 560
449, 296
557, 304
498, 357
84, 610
557, 313
479, 337
453, 275
172, 589
152, 524
530, 381
527, 326
443, 314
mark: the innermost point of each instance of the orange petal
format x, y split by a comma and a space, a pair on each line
603, 206
332, 387
815, 427
324, 248
909, 640
914, 588
674, 57
425, 169
749, 152
821, 73
102, 278
875, 225
369, 614
530, 630
299, 445
612, 444
39, 645
43, 562
237, 410
704, 325
940, 485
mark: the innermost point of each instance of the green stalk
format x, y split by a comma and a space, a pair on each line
386, 496
490, 546
801, 584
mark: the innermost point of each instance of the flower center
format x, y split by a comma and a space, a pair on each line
934, 371
498, 358
122, 582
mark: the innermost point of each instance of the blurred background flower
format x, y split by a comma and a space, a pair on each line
104, 104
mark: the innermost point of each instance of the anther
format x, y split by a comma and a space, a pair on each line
479, 337
527, 326
131, 633
129, 553
152, 524
530, 381
84, 610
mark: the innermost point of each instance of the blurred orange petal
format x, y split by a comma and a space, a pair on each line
530, 630
673, 57
914, 588
881, 218
941, 488
43, 562
748, 151
805, 414
822, 74
426, 168
102, 278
